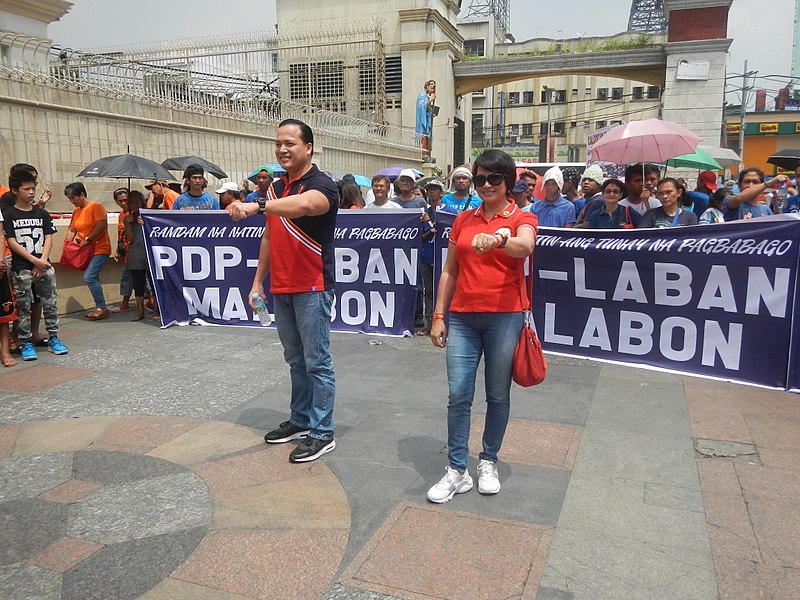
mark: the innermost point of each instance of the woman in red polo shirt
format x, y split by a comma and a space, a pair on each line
482, 285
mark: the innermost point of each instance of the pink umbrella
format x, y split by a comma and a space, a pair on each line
650, 140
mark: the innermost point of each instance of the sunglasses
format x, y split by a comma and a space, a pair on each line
492, 178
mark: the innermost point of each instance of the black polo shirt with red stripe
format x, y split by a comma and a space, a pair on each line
301, 256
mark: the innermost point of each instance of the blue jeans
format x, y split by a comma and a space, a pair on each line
91, 277
304, 328
470, 335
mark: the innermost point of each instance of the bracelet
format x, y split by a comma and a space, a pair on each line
503, 241
437, 316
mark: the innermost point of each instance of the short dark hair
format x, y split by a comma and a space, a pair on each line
193, 170
75, 188
19, 177
638, 169
305, 131
528, 174
497, 161
378, 178
623, 188
22, 167
718, 198
755, 170
119, 191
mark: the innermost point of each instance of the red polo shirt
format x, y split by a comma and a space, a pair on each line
492, 281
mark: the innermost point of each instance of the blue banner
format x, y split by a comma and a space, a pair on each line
203, 265
713, 300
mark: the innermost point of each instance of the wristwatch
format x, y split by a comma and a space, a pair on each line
262, 205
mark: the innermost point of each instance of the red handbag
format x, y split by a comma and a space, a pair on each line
75, 256
530, 365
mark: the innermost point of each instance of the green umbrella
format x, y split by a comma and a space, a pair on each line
699, 159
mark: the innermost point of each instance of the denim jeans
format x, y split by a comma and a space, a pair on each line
470, 335
91, 277
304, 328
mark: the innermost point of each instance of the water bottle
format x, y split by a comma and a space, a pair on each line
783, 194
261, 309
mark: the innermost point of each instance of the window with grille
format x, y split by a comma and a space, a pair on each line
638, 92
653, 92
561, 96
477, 129
299, 88
367, 83
318, 84
559, 128
602, 93
527, 97
393, 66
513, 97
527, 128
474, 47
616, 93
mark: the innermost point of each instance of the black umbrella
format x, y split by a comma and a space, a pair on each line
179, 163
126, 166
787, 160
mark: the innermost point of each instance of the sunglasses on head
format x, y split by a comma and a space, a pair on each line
492, 178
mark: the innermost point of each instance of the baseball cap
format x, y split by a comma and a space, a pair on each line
436, 183
408, 173
230, 186
150, 185
730, 185
709, 179
520, 186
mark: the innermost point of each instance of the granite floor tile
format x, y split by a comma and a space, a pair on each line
60, 435
29, 476
70, 491
39, 377
108, 468
266, 463
533, 443
729, 528
25, 582
312, 502
141, 434
174, 589
773, 501
8, 437
28, 526
142, 509
64, 554
775, 432
207, 442
780, 459
246, 563
127, 570
411, 556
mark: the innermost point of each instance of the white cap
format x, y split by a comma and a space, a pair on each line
228, 187
408, 173
556, 175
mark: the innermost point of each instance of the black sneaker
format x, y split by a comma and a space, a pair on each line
286, 432
311, 449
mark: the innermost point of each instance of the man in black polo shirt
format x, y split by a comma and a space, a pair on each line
297, 252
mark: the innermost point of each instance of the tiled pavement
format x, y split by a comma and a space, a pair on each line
134, 467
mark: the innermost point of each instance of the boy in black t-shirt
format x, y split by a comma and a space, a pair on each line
29, 232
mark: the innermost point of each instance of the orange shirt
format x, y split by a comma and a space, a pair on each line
489, 282
169, 199
84, 220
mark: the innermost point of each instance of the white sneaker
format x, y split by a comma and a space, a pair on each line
448, 486
488, 480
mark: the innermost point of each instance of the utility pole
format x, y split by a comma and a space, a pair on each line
743, 111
